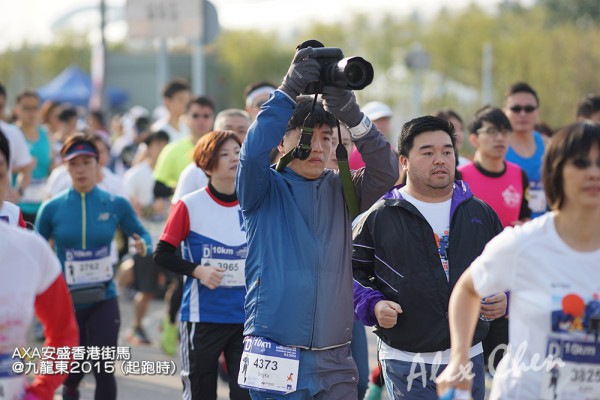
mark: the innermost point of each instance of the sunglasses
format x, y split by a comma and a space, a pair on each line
584, 163
528, 109
205, 116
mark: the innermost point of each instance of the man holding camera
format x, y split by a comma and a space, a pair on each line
299, 305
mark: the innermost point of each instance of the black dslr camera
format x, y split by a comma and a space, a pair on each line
352, 73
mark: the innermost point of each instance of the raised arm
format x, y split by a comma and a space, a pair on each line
381, 164
252, 180
267, 131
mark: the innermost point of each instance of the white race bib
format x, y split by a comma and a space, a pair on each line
578, 376
231, 258
88, 266
234, 271
574, 344
537, 197
269, 367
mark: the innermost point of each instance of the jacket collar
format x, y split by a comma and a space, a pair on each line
460, 193
289, 174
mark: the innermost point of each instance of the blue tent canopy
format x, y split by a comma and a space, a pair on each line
75, 87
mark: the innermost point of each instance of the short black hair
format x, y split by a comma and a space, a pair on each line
319, 114
522, 87
175, 86
571, 142
5, 148
204, 101
447, 113
416, 126
158, 136
141, 124
492, 115
98, 115
67, 113
588, 106
2, 90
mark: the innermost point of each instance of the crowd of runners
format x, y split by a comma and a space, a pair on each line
275, 260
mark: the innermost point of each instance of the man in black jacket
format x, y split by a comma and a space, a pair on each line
409, 250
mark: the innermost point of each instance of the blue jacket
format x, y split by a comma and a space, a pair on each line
87, 221
298, 269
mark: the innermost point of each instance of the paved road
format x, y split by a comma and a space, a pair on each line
156, 387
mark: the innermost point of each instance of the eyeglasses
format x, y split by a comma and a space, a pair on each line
528, 109
205, 116
493, 131
584, 163
30, 108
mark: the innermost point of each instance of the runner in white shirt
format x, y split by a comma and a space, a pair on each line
30, 281
176, 96
552, 268
20, 161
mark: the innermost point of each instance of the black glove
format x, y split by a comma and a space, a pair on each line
342, 104
303, 71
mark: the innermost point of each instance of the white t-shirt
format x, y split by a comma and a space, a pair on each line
553, 293
10, 213
60, 180
438, 216
19, 151
174, 133
192, 178
139, 183
29, 267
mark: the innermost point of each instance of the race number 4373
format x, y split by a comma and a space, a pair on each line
268, 366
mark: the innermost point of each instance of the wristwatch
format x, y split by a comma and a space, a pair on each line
361, 129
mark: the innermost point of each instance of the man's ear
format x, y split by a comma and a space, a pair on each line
473, 140
403, 162
280, 147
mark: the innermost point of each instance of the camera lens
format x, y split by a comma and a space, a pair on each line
358, 73
355, 74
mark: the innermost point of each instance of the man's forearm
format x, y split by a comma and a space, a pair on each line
381, 168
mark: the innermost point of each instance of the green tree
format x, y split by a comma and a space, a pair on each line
29, 67
557, 59
247, 56
581, 12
